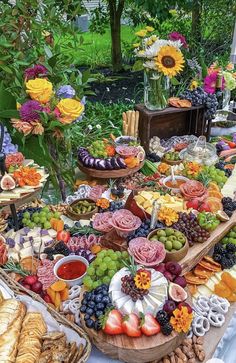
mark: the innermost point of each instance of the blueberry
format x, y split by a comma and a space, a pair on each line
97, 325
84, 301
86, 316
98, 298
91, 304
105, 293
90, 323
100, 306
104, 286
98, 313
83, 308
89, 311
109, 305
88, 296
105, 300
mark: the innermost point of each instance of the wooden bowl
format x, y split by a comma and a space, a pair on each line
107, 174
171, 162
75, 216
176, 255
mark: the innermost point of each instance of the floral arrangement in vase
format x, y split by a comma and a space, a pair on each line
47, 114
162, 59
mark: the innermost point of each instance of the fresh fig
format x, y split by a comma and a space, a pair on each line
174, 268
177, 293
180, 305
168, 275
181, 281
7, 182
169, 306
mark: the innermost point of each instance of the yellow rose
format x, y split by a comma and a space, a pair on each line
141, 33
149, 28
39, 89
70, 110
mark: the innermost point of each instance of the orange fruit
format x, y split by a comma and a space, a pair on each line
214, 193
213, 186
229, 280
222, 290
214, 204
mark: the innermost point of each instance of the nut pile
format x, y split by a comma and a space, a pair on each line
191, 351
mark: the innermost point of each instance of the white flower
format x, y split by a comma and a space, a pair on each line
90, 127
150, 64
152, 51
98, 127
108, 89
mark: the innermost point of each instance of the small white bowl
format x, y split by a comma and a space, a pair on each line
63, 260
177, 177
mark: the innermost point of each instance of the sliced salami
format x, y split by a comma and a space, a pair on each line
193, 189
146, 252
125, 222
127, 151
102, 221
96, 192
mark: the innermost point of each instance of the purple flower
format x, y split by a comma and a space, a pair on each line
66, 92
28, 111
177, 36
35, 71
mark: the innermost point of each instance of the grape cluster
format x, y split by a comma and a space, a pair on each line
214, 174
221, 166
189, 226
20, 217
39, 218
94, 305
225, 255
128, 287
144, 229
153, 157
104, 267
229, 206
199, 97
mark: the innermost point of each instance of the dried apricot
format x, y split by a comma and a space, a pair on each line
229, 280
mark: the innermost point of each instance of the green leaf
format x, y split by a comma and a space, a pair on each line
9, 114
53, 60
174, 81
138, 66
7, 101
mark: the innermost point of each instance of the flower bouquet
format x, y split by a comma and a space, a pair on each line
46, 118
161, 59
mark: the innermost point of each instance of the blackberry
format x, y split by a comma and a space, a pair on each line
162, 317
226, 262
220, 165
228, 172
226, 200
228, 212
216, 257
166, 329
219, 248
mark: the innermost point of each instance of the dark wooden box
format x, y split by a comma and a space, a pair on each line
170, 122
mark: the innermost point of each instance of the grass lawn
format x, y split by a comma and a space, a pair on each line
96, 49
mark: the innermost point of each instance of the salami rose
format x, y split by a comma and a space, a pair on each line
125, 222
193, 189
145, 252
101, 222
127, 151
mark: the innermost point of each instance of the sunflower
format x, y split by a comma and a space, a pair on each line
170, 60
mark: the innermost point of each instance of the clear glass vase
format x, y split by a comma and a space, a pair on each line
226, 99
156, 90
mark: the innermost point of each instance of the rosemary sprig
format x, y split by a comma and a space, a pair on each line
12, 266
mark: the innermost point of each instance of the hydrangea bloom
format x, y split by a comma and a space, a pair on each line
35, 71
66, 92
28, 111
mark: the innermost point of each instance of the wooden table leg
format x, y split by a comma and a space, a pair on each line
14, 216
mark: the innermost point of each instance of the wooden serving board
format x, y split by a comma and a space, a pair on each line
21, 199
134, 350
106, 174
199, 250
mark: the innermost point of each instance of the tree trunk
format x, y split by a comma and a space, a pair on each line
115, 17
196, 20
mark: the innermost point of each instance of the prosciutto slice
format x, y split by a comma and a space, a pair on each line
145, 252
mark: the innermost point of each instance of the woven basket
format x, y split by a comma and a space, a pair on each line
19, 289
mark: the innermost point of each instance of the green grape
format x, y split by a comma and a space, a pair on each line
42, 214
86, 279
95, 284
103, 266
101, 254
125, 254
26, 215
107, 260
45, 209
35, 214
110, 251
112, 265
99, 282
57, 215
98, 261
36, 219
114, 257
89, 285
31, 225
24, 220
47, 225
43, 220
106, 279
99, 272
91, 271
49, 216
118, 254
111, 273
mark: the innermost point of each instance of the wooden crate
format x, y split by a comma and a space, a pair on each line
170, 122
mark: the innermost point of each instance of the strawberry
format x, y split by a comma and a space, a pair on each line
112, 322
149, 325
192, 204
130, 325
30, 280
63, 236
204, 207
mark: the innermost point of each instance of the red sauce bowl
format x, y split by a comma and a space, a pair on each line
71, 269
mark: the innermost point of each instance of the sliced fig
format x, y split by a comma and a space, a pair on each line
181, 281
177, 293
7, 182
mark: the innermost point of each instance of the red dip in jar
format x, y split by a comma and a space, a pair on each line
71, 270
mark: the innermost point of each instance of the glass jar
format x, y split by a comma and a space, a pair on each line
226, 99
156, 90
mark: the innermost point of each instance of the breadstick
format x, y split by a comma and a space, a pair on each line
136, 123
132, 126
129, 121
124, 117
